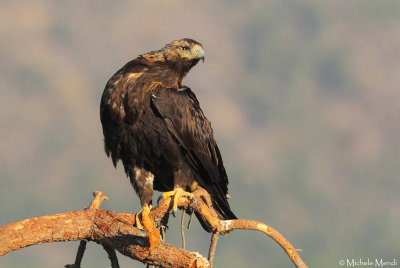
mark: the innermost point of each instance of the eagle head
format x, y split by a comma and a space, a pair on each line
185, 51
170, 64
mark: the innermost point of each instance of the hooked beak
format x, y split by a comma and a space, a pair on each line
199, 52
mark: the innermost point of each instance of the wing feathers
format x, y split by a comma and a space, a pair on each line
191, 129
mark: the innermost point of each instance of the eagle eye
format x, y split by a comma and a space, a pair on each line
185, 48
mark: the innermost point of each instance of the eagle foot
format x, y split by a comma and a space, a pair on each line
176, 194
147, 224
139, 215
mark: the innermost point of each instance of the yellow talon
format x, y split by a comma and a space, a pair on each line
137, 220
146, 210
177, 194
144, 222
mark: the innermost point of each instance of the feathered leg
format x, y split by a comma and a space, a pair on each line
142, 181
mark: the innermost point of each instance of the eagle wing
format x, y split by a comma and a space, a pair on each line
187, 124
115, 112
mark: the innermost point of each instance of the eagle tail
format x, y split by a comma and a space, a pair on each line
223, 209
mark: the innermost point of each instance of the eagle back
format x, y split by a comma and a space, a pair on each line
188, 125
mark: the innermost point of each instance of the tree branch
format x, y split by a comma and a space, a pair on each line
117, 231
79, 255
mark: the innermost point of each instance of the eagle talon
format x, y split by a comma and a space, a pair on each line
176, 194
137, 220
139, 216
144, 222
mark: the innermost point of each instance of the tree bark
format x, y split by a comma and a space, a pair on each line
117, 231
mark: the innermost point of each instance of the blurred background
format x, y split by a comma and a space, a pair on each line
303, 97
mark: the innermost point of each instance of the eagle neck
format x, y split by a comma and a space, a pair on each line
169, 76
168, 73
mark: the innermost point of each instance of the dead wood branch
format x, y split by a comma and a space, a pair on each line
116, 231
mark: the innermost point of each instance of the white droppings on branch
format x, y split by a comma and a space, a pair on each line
225, 225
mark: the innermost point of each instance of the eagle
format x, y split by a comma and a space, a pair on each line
155, 126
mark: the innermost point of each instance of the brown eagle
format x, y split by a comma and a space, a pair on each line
155, 126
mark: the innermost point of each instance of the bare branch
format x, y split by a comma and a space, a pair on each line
79, 256
225, 226
99, 197
116, 231
213, 246
112, 256
182, 229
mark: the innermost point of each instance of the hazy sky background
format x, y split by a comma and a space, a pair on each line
303, 97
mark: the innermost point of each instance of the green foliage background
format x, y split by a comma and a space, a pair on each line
303, 97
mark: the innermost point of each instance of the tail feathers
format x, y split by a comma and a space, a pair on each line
224, 210
221, 206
